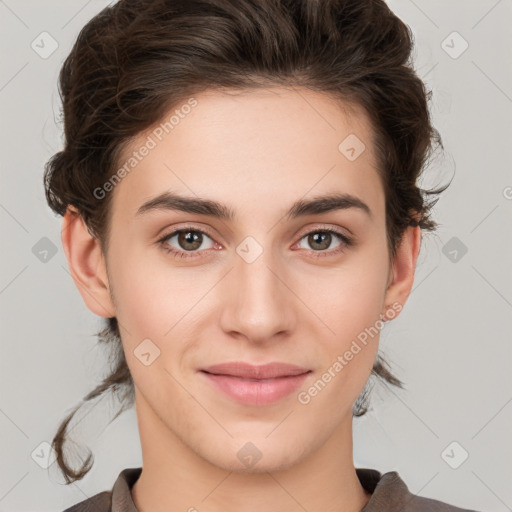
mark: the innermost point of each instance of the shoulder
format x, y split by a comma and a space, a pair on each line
101, 502
422, 504
389, 493
119, 497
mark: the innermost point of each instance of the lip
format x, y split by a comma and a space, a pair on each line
250, 371
256, 385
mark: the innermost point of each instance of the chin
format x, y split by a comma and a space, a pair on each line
260, 456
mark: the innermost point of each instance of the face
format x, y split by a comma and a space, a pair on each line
267, 283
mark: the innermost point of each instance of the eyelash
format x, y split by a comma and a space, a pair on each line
346, 242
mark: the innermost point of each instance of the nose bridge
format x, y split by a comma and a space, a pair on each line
257, 304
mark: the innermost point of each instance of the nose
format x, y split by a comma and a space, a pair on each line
257, 303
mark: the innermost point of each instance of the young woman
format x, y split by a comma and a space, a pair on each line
240, 202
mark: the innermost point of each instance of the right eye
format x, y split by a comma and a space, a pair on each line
189, 240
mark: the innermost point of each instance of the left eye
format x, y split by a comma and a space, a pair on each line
322, 238
190, 240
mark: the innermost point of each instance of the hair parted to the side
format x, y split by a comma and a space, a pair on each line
137, 59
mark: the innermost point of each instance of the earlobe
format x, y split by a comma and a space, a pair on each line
87, 264
403, 269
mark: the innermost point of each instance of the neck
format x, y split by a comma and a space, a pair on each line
175, 478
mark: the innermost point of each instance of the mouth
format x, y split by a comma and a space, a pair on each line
249, 371
256, 385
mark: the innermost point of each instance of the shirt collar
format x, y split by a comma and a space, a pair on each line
388, 491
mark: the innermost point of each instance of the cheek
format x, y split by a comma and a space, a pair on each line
151, 294
153, 308
150, 301
347, 338
348, 302
349, 298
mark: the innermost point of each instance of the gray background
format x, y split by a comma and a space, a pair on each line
451, 344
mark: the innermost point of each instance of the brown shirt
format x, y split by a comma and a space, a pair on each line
389, 494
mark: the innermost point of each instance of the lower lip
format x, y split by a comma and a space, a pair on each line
256, 392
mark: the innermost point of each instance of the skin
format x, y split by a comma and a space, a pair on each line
257, 152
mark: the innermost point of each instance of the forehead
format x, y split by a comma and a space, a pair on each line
260, 146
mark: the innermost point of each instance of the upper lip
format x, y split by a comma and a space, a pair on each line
250, 371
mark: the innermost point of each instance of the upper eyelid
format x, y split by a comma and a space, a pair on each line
175, 231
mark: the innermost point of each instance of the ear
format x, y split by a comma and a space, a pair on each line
402, 270
87, 264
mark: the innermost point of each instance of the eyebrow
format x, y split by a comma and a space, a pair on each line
314, 206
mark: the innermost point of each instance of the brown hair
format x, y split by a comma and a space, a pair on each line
137, 59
